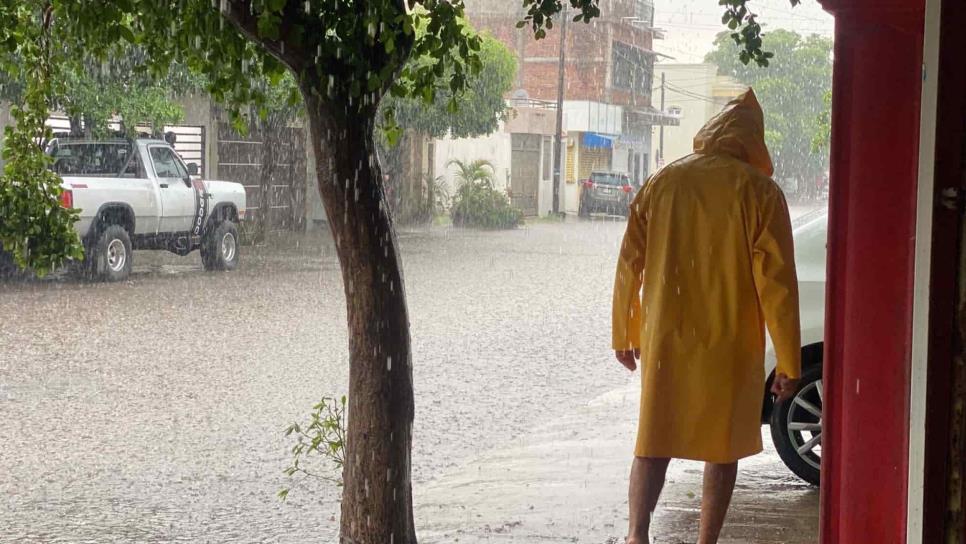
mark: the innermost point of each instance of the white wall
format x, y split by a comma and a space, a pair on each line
696, 79
496, 148
618, 161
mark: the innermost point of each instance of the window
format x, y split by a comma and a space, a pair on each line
166, 165
103, 159
133, 168
633, 68
644, 11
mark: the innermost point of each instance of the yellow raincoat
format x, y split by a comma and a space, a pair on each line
711, 238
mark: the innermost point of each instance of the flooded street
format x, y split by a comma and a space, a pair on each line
153, 410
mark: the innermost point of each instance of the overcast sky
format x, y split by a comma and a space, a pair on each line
691, 25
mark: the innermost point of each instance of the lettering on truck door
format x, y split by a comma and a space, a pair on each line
178, 195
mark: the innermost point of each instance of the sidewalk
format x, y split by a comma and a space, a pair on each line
567, 482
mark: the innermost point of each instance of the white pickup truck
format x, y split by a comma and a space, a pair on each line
139, 194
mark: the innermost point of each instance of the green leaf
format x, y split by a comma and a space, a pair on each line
127, 34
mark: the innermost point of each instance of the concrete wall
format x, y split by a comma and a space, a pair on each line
198, 112
525, 120
496, 148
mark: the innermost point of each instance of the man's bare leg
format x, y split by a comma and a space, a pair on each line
719, 483
647, 481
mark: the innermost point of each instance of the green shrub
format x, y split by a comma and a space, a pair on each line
477, 204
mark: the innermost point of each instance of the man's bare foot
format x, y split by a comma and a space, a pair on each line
636, 540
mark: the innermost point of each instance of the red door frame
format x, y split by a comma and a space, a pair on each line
875, 143
874, 181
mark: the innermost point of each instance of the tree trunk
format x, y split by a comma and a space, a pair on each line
76, 125
377, 497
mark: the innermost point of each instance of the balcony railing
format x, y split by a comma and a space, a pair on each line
532, 103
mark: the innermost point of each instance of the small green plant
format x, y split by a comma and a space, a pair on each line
422, 204
437, 195
477, 203
324, 435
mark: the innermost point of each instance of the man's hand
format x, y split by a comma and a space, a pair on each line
628, 358
784, 387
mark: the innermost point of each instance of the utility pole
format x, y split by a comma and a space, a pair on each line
558, 138
661, 148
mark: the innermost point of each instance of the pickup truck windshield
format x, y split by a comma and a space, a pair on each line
93, 159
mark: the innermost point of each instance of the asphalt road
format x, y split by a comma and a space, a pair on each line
153, 410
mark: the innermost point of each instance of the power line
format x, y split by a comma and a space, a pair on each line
692, 94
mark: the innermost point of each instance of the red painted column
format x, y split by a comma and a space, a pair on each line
875, 122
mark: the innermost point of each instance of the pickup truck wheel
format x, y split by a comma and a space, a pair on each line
219, 249
112, 254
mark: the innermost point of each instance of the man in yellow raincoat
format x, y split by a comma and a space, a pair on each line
709, 240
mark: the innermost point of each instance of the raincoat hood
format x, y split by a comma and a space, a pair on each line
738, 131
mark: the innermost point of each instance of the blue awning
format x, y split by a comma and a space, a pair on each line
593, 139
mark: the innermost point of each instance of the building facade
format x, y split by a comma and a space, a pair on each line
693, 93
607, 85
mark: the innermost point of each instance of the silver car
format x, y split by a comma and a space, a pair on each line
606, 192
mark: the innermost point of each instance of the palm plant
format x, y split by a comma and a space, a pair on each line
477, 203
480, 170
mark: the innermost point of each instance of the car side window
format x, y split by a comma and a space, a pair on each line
166, 165
133, 168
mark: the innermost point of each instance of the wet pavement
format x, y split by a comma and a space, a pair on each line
153, 410
566, 481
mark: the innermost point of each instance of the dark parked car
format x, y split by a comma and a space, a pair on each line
606, 192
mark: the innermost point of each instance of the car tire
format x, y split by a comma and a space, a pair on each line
796, 427
219, 248
112, 255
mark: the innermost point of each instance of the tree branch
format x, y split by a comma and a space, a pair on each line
241, 14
